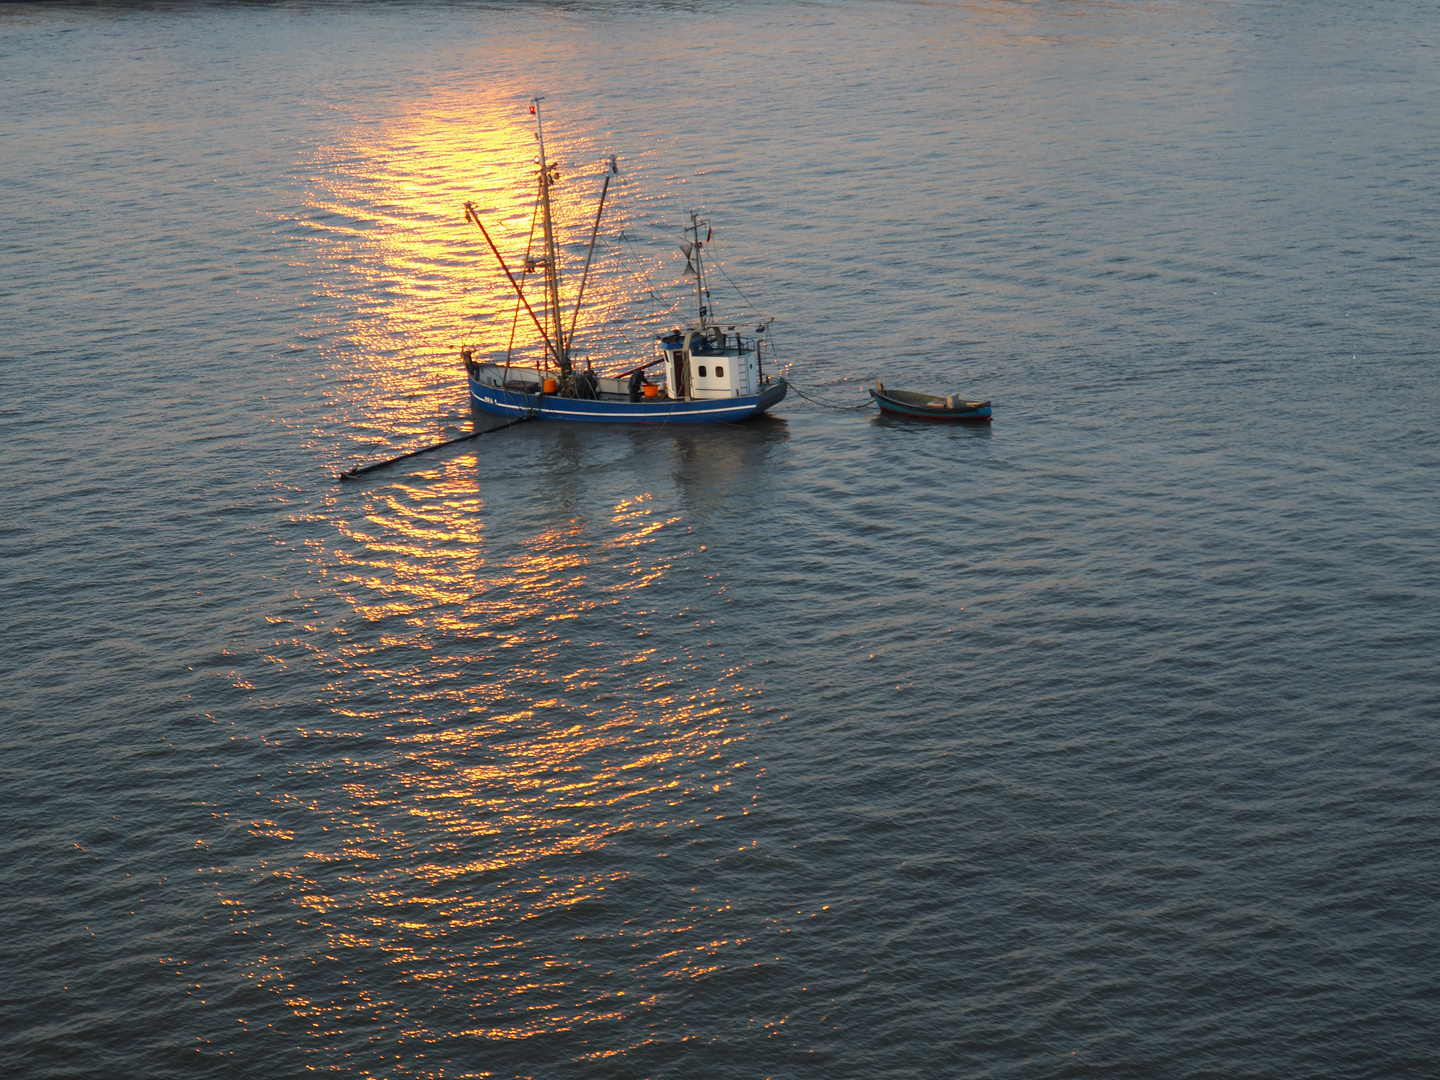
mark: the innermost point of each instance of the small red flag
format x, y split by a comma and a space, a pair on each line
709, 233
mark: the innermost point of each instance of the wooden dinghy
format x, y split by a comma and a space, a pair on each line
929, 406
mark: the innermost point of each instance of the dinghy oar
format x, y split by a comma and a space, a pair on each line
361, 470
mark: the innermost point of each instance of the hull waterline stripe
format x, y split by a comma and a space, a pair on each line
544, 406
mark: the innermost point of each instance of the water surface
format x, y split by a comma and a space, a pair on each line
1101, 741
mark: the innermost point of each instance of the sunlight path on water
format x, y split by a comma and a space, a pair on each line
473, 852
1099, 741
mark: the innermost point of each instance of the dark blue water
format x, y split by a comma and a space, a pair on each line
1100, 742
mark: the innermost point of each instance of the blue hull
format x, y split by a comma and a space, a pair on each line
652, 411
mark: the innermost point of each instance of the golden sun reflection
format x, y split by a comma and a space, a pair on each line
504, 746
506, 777
418, 282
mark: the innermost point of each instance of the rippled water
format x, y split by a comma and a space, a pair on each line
1099, 742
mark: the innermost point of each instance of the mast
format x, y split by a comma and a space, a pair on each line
552, 264
700, 307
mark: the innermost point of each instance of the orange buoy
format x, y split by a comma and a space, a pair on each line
550, 386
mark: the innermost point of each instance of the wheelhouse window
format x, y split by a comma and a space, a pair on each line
719, 371
701, 371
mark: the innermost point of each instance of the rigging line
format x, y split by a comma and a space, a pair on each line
471, 215
585, 274
514, 234
826, 404
718, 266
774, 345
646, 286
630, 244
529, 242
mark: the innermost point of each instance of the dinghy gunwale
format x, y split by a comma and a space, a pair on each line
912, 404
